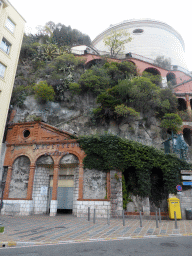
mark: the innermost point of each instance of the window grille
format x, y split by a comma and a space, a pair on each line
5, 45
2, 70
10, 25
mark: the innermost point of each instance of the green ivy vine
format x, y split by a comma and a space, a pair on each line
109, 152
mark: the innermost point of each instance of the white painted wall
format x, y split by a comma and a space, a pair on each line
157, 39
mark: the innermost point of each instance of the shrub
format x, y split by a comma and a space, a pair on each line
123, 110
44, 92
75, 88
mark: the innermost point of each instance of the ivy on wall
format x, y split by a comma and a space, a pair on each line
109, 152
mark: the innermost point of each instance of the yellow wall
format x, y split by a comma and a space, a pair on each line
11, 60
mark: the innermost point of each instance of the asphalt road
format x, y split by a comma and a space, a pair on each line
165, 246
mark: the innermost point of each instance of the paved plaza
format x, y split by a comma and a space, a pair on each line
43, 229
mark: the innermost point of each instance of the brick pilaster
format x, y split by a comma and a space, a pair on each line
30, 182
188, 105
55, 182
80, 181
8, 181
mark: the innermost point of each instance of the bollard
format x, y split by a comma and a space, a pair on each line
175, 220
108, 220
88, 213
159, 215
156, 219
94, 217
140, 219
123, 218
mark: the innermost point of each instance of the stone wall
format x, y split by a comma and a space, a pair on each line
100, 207
139, 204
20, 177
40, 190
94, 184
185, 201
116, 193
17, 207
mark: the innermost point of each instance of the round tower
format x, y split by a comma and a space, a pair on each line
150, 39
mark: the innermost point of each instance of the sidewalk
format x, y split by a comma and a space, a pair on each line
43, 229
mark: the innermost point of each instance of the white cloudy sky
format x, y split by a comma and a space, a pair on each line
92, 17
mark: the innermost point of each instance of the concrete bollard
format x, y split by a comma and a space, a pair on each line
123, 215
94, 216
175, 220
140, 216
88, 213
156, 219
108, 217
159, 215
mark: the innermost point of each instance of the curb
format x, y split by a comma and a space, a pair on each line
23, 244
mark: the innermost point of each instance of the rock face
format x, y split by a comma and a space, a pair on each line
74, 115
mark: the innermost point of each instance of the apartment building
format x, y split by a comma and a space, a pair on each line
11, 36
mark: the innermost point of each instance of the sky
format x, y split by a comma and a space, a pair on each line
93, 17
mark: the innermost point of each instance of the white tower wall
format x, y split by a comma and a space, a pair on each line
157, 39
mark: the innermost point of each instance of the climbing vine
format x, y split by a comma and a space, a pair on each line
109, 152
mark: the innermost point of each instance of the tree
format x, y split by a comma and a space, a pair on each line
116, 41
163, 62
171, 122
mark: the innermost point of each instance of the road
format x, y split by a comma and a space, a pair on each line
164, 246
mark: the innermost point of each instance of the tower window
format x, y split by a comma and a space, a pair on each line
10, 25
2, 70
5, 45
138, 31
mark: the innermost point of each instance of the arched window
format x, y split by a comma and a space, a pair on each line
171, 78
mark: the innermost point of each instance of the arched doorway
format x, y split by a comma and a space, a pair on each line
68, 174
154, 75
153, 71
43, 171
20, 176
159, 194
187, 135
181, 104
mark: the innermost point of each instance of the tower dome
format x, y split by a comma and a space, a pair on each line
150, 39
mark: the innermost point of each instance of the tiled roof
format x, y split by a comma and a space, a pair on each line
185, 87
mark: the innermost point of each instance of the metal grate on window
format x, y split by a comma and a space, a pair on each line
10, 25
2, 70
